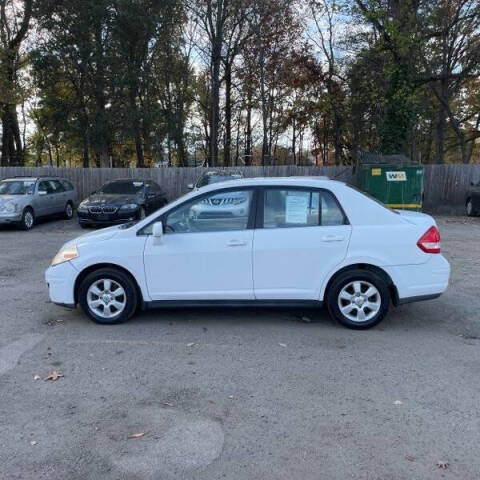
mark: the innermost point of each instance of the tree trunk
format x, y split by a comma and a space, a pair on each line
294, 141
216, 58
248, 139
228, 114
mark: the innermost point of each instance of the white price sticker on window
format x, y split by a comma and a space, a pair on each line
296, 208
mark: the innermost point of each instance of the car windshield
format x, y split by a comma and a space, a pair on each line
16, 187
123, 187
222, 178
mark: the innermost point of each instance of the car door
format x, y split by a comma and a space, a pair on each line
302, 233
44, 203
59, 196
206, 251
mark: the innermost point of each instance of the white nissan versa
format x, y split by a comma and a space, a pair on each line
295, 241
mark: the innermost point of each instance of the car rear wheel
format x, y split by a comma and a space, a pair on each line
108, 296
28, 219
469, 208
68, 213
358, 299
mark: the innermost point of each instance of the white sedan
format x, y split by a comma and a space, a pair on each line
295, 241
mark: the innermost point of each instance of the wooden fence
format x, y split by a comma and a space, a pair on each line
445, 185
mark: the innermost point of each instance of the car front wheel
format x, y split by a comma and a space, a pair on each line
358, 299
28, 219
108, 296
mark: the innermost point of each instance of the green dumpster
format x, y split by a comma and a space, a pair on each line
397, 186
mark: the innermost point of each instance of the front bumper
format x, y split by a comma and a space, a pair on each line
8, 218
61, 283
117, 218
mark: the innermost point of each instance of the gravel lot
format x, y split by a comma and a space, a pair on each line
242, 394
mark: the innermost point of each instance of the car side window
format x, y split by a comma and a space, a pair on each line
216, 212
332, 214
283, 208
202, 181
45, 186
67, 185
57, 186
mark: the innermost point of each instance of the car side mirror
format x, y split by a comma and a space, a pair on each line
157, 231
42, 192
190, 186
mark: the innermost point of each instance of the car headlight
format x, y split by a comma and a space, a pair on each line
82, 207
65, 254
9, 207
129, 206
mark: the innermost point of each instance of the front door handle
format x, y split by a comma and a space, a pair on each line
236, 243
332, 238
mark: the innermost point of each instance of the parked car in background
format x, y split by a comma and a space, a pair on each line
299, 241
25, 199
214, 176
121, 201
472, 201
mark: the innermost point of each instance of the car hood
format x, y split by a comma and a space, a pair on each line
95, 236
111, 199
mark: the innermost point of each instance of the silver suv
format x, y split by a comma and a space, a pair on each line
24, 199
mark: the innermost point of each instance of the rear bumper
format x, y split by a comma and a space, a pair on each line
420, 282
61, 282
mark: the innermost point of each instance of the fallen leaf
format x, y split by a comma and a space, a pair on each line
397, 402
409, 458
33, 442
191, 344
443, 465
36, 377
136, 435
55, 375
283, 344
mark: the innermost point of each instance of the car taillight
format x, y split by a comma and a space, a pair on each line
430, 241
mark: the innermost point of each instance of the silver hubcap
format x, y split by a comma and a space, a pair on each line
359, 301
69, 211
28, 220
106, 298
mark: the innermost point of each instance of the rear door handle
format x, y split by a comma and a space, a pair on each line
236, 243
332, 238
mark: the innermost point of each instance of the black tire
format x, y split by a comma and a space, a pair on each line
342, 281
469, 208
68, 212
28, 219
120, 278
83, 225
